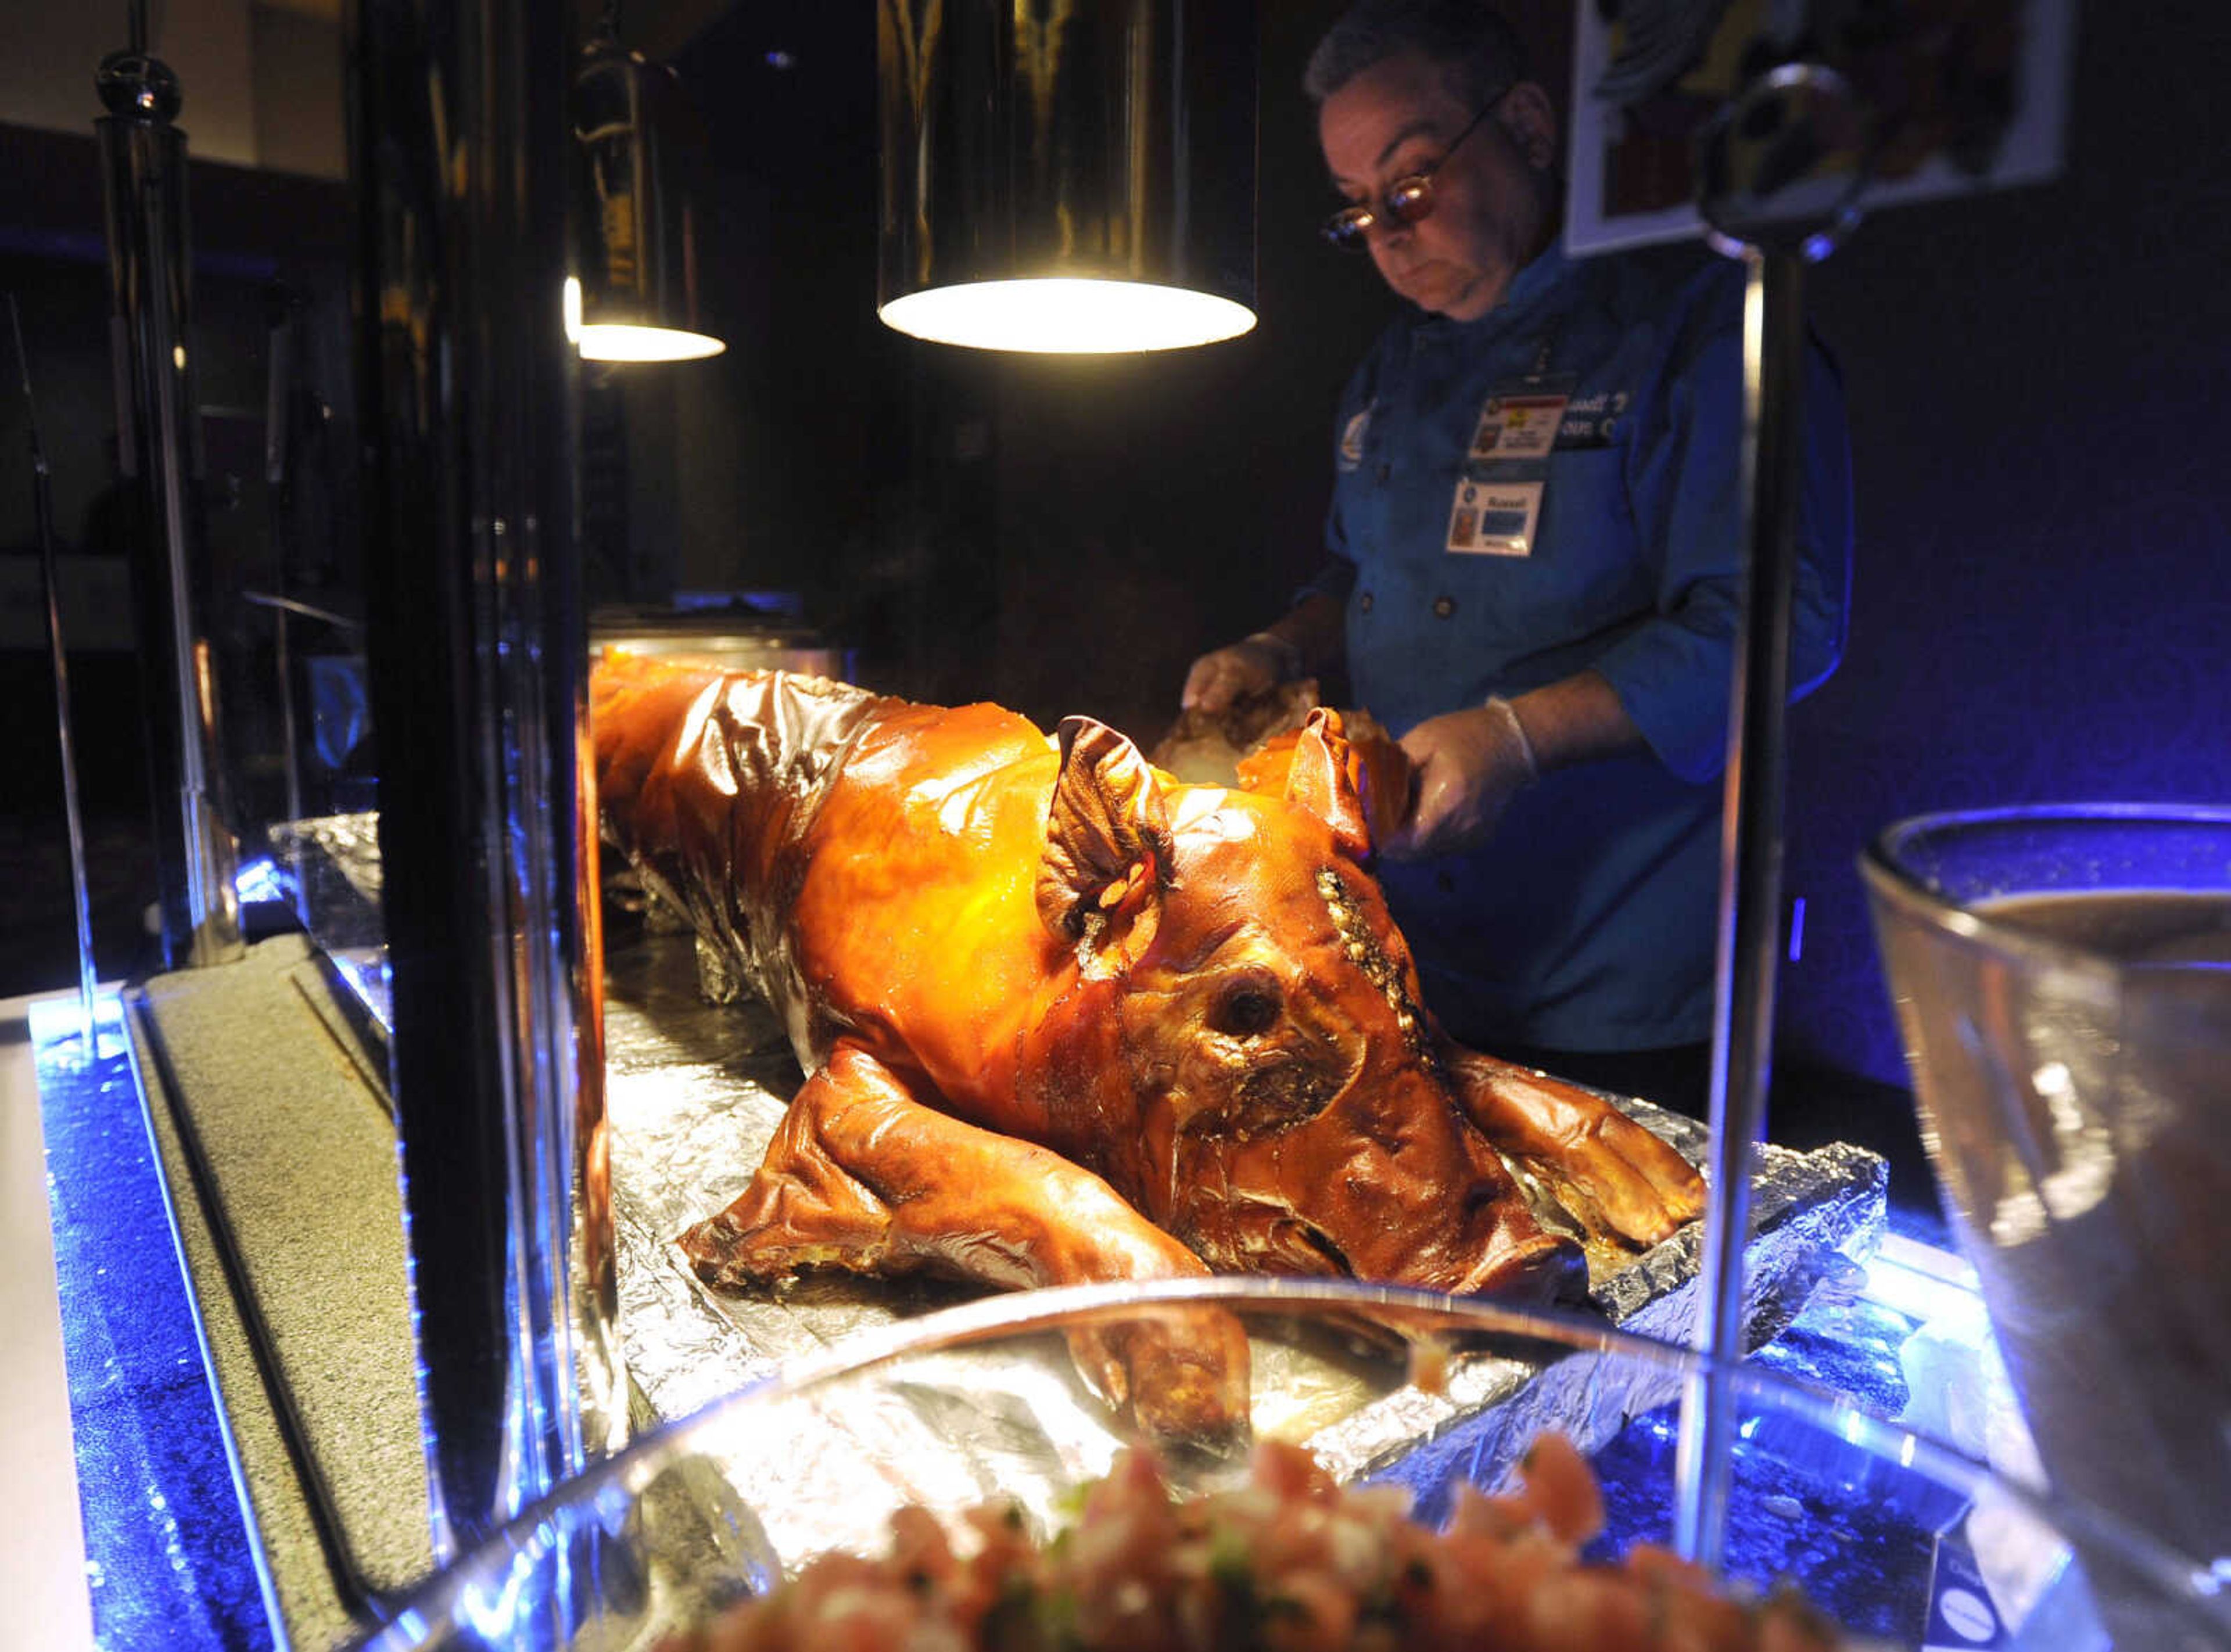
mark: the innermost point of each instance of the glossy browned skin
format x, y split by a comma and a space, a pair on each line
1067, 1020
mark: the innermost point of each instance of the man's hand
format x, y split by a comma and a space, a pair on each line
1252, 666
1470, 764
1306, 638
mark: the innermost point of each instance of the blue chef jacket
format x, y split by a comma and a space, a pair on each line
1588, 922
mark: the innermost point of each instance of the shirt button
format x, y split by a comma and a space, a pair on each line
1383, 471
1444, 606
1363, 602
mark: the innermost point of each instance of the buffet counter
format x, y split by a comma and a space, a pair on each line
183, 1524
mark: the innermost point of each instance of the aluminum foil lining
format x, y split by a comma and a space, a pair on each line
332, 867
694, 1090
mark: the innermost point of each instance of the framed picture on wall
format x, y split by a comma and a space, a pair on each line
1959, 95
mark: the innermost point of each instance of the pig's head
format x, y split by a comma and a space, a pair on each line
1244, 1054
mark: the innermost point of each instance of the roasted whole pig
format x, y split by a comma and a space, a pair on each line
1066, 1019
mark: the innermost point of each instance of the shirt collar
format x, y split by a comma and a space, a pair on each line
1528, 287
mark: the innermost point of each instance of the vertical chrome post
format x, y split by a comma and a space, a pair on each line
1746, 191
1751, 871
459, 149
143, 157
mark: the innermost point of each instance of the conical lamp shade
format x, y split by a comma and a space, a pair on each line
1067, 175
636, 296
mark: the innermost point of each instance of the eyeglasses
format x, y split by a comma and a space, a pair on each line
1407, 199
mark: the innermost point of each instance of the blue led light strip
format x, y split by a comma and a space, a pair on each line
172, 1558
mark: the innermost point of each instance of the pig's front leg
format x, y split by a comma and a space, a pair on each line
1615, 1175
860, 1176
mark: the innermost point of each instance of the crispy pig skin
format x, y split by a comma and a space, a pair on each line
1067, 1019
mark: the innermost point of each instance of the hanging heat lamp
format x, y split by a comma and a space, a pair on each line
635, 296
1067, 176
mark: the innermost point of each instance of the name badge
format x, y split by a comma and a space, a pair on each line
1497, 503
1495, 518
1516, 427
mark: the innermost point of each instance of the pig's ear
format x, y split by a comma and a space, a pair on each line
1107, 849
1320, 782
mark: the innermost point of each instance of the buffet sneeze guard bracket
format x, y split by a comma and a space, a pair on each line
1779, 173
1737, 198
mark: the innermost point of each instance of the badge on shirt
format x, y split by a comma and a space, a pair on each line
1495, 518
1497, 502
1521, 426
1351, 438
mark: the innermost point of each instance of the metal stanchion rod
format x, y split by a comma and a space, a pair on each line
1751, 875
143, 157
478, 650
43, 495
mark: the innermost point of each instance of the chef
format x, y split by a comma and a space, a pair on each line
1535, 543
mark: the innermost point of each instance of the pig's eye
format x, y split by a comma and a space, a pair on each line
1247, 1007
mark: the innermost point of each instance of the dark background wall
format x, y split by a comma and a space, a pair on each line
2036, 383
2039, 384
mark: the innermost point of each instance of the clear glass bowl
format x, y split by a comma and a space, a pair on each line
2062, 979
1903, 1542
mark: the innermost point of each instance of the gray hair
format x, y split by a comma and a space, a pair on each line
1475, 49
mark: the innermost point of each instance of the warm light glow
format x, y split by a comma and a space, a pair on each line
612, 341
623, 341
1068, 316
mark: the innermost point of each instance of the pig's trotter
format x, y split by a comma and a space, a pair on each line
1179, 1375
862, 1176
1555, 1273
772, 1232
711, 1247
1617, 1178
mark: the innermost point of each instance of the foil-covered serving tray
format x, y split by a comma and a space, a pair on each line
330, 867
694, 1090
